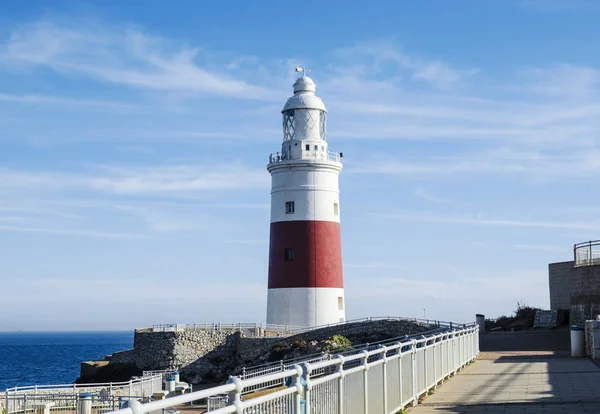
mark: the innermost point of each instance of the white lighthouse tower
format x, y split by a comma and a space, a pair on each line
305, 254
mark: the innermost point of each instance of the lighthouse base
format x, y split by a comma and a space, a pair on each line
305, 306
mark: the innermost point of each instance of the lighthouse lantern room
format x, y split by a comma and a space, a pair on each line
305, 253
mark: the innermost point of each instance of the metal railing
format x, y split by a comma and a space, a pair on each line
262, 330
249, 329
164, 373
22, 399
586, 253
381, 380
270, 368
305, 155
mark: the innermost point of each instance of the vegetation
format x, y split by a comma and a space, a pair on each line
338, 342
523, 318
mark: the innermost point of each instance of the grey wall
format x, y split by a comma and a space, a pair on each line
206, 356
559, 277
576, 289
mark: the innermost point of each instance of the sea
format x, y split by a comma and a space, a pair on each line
37, 358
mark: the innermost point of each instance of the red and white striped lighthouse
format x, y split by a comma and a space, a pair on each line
305, 255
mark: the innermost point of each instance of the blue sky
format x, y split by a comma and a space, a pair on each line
134, 141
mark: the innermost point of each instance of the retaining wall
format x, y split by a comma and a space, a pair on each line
207, 356
576, 289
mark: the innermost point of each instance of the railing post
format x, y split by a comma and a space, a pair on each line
340, 385
385, 390
306, 370
414, 371
299, 389
366, 380
400, 374
435, 378
235, 396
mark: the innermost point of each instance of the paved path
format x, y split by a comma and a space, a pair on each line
519, 382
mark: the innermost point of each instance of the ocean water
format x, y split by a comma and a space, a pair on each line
34, 358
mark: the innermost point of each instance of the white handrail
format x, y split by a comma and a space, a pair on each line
348, 380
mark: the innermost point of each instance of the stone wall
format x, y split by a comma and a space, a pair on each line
199, 355
207, 356
592, 339
576, 289
559, 276
250, 350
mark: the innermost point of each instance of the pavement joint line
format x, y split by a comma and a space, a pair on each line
509, 403
532, 373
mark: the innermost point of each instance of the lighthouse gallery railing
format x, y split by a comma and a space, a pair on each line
382, 380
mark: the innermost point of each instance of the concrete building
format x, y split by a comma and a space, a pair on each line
575, 285
305, 252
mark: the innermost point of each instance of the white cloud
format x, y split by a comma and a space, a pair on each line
534, 166
127, 57
71, 232
57, 100
424, 194
439, 74
540, 248
479, 221
564, 80
141, 180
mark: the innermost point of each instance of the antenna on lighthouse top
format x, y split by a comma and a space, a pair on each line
302, 69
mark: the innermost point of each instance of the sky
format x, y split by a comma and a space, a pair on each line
134, 140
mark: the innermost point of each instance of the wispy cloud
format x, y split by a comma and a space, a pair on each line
57, 100
434, 72
78, 233
541, 248
126, 57
535, 166
479, 221
140, 180
426, 195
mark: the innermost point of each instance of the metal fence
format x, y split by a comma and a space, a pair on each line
586, 253
249, 329
270, 368
64, 397
262, 330
370, 381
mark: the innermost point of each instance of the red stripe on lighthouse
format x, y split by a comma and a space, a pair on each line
317, 255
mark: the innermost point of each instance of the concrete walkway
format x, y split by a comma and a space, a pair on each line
512, 381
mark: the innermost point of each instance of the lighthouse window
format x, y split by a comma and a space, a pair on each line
307, 147
288, 125
323, 125
289, 255
340, 303
289, 207
316, 147
336, 209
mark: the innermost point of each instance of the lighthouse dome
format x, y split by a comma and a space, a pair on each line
304, 96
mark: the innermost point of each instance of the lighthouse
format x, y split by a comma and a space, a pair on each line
305, 253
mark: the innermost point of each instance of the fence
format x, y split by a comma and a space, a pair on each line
262, 330
249, 329
380, 380
586, 253
65, 396
270, 368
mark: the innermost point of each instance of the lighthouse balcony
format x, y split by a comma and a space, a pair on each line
306, 155
587, 253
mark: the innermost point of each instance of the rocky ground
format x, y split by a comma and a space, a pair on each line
314, 342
